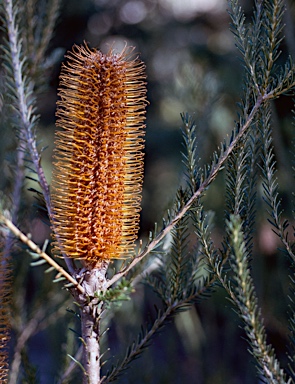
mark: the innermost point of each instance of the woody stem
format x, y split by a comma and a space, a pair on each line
90, 318
94, 282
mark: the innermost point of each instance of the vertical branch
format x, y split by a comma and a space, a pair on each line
245, 299
90, 319
270, 182
47, 31
25, 103
19, 175
22, 90
91, 307
40, 19
22, 96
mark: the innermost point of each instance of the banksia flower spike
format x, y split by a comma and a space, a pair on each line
98, 166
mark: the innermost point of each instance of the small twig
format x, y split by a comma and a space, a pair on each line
16, 198
53, 8
72, 366
40, 321
29, 329
34, 247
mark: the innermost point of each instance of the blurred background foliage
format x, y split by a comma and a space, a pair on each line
192, 65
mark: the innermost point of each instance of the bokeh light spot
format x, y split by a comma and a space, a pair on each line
133, 12
188, 9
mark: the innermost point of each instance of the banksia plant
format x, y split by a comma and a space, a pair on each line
98, 172
96, 191
98, 167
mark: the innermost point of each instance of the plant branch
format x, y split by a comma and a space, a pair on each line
34, 247
16, 198
40, 321
90, 323
72, 366
25, 103
52, 14
137, 348
212, 175
270, 183
23, 91
246, 301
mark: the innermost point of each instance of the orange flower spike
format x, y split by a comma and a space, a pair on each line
98, 166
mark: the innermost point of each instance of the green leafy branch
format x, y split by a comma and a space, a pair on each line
21, 90
121, 292
242, 294
270, 183
163, 316
206, 178
176, 282
39, 31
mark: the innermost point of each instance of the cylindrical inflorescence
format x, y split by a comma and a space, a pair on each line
98, 159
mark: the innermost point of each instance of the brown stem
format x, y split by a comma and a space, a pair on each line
92, 281
90, 318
